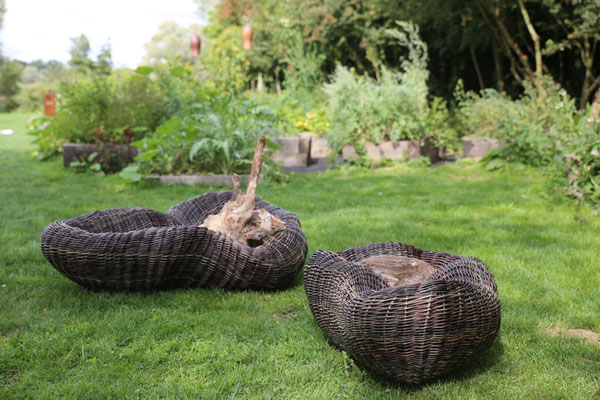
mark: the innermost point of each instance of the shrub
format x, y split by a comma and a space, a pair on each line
115, 109
219, 136
479, 115
533, 129
10, 76
296, 115
581, 162
542, 131
439, 124
393, 108
361, 108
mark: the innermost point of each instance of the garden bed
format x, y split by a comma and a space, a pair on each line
77, 151
399, 150
295, 151
478, 148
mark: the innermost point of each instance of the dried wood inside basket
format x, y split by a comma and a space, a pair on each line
241, 219
399, 270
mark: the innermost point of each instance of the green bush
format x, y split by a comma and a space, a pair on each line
439, 124
99, 109
539, 130
391, 108
580, 164
296, 115
480, 114
361, 108
533, 130
10, 76
219, 136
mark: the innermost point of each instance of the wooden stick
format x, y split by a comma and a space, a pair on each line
257, 162
239, 195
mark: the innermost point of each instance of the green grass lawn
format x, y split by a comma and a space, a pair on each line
58, 340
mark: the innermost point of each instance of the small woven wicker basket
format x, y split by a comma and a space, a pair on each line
412, 333
140, 249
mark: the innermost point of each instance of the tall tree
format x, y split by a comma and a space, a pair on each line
10, 76
104, 60
579, 23
2, 12
171, 40
80, 53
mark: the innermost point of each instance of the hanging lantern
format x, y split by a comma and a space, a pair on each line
247, 33
195, 44
50, 104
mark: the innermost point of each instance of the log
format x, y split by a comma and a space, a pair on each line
240, 219
399, 270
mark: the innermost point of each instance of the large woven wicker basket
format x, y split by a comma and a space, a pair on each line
140, 249
410, 333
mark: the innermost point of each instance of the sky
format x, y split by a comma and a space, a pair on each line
41, 29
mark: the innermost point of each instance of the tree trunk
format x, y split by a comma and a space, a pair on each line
537, 51
589, 81
476, 65
498, 66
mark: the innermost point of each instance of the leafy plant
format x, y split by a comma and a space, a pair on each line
393, 108
87, 163
297, 115
439, 124
480, 114
99, 109
218, 136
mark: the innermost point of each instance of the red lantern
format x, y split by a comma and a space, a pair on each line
247, 33
195, 44
50, 104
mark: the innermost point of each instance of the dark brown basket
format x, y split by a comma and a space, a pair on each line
140, 249
411, 333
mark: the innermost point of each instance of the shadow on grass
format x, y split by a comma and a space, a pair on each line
477, 366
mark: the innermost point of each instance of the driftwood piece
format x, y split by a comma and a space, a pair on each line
399, 270
240, 219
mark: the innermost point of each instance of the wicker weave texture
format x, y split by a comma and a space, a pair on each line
140, 249
410, 333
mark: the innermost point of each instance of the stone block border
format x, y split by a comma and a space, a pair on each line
478, 148
398, 150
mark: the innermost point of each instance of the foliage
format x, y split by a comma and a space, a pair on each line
393, 108
582, 167
536, 130
485, 43
94, 108
297, 114
38, 78
170, 41
178, 84
87, 163
225, 64
439, 124
218, 136
10, 76
81, 62
479, 114
539, 131
304, 73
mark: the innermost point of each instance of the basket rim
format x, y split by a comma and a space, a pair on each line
412, 289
